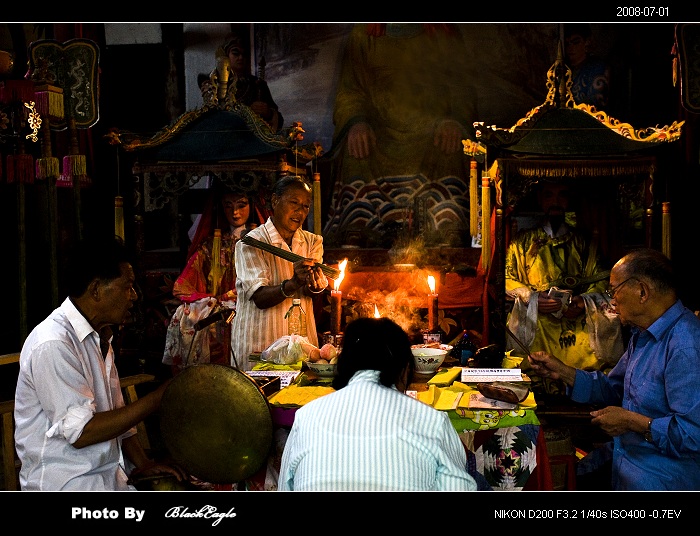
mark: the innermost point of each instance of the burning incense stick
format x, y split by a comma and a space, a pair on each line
333, 273
520, 343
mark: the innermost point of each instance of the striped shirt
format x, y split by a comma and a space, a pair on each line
255, 329
367, 437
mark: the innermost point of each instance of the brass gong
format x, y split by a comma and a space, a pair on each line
216, 423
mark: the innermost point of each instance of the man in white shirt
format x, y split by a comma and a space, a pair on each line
72, 428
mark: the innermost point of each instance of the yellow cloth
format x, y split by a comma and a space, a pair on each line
448, 400
264, 365
443, 398
295, 396
445, 376
534, 263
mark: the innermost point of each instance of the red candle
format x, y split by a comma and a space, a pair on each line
432, 312
336, 311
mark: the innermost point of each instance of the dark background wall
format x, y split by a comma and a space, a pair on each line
143, 87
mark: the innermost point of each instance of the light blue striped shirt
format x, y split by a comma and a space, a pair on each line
367, 437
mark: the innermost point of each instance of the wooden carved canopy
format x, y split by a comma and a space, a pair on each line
561, 140
224, 139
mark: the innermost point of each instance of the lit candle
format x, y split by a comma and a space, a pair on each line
432, 305
336, 297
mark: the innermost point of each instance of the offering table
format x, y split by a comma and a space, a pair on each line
506, 450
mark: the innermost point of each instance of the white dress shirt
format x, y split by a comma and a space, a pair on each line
63, 381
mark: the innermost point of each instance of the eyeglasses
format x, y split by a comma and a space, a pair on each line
611, 291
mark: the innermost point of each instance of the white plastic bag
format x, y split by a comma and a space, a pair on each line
287, 350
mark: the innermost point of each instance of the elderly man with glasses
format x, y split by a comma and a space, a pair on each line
650, 401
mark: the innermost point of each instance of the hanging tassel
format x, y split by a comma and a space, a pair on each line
74, 170
74, 164
473, 199
119, 217
15, 91
666, 228
216, 272
49, 103
20, 169
47, 166
485, 221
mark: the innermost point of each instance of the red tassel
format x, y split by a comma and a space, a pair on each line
20, 168
49, 103
14, 91
74, 169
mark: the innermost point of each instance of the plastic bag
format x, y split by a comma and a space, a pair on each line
287, 350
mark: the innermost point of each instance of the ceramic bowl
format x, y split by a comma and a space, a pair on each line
325, 370
428, 360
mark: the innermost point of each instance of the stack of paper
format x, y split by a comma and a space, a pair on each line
476, 375
286, 376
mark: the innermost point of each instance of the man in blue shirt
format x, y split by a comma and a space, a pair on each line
651, 399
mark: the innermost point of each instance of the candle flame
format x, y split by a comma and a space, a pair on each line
376, 312
341, 267
431, 284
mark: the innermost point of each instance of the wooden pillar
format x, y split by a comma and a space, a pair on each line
666, 228
648, 210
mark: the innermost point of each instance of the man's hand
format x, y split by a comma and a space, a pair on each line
575, 308
160, 468
548, 366
361, 140
448, 137
546, 305
615, 421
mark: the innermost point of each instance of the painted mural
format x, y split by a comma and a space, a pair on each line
390, 104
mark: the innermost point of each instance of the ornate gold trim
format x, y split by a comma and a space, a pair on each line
34, 121
656, 134
559, 95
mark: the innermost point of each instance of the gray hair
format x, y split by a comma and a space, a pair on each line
653, 266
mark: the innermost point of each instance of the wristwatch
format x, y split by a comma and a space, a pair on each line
647, 434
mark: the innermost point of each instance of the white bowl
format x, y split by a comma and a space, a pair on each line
326, 370
428, 360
